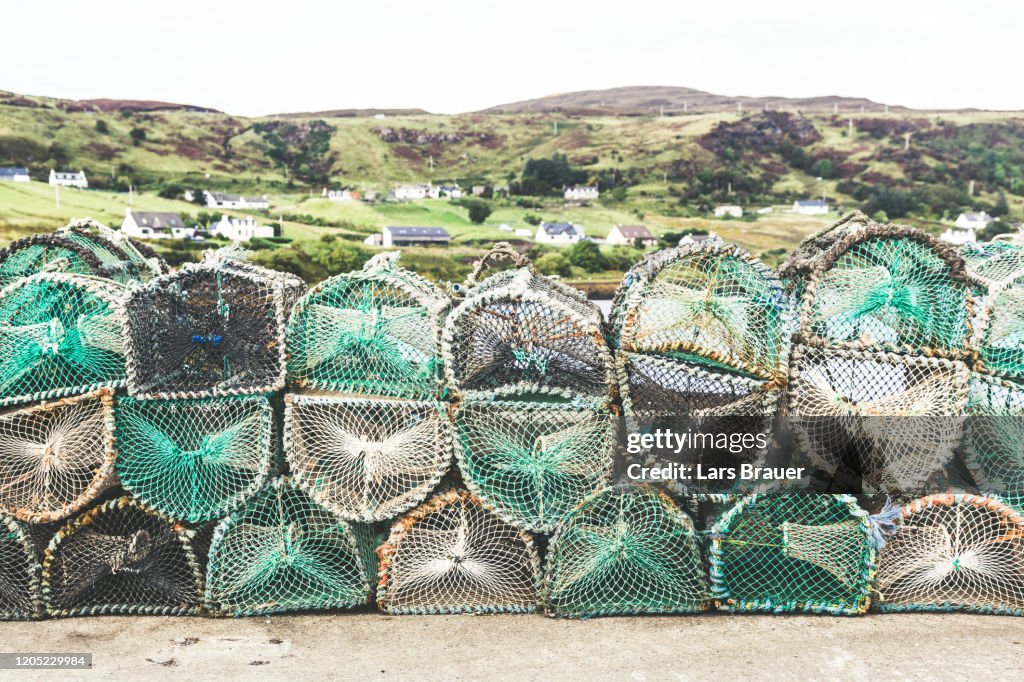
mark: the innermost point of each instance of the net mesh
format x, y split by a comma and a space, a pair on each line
366, 459
20, 597
780, 553
954, 552
121, 558
993, 265
45, 252
60, 335
212, 328
993, 442
1002, 338
283, 551
56, 457
194, 460
893, 419
534, 462
710, 303
452, 555
375, 331
625, 550
521, 331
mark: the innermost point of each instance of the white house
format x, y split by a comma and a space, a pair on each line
240, 229
730, 210
223, 200
374, 239
155, 225
974, 221
810, 207
69, 179
628, 234
559, 234
413, 192
414, 236
342, 195
581, 193
959, 235
450, 191
8, 174
690, 238
522, 232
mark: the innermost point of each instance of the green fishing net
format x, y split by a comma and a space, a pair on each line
121, 558
521, 331
783, 553
891, 418
710, 303
194, 460
993, 265
625, 550
532, 461
954, 552
60, 335
284, 552
45, 252
452, 555
373, 331
211, 329
20, 598
1002, 335
56, 457
366, 459
993, 441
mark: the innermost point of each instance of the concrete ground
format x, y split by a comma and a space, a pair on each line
370, 646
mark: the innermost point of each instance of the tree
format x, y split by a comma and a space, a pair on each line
554, 264
532, 219
824, 168
302, 150
101, 127
587, 255
138, 135
171, 191
479, 211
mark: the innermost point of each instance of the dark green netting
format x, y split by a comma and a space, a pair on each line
783, 553
20, 597
60, 335
282, 551
40, 252
452, 555
366, 459
194, 460
373, 331
120, 558
1002, 335
993, 265
624, 550
993, 442
56, 457
534, 462
953, 553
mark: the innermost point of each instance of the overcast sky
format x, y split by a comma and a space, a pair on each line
266, 57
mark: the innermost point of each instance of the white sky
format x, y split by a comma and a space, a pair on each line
260, 57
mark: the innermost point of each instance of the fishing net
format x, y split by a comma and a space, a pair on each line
212, 328
712, 304
954, 552
366, 459
20, 598
121, 259
121, 558
452, 555
887, 288
993, 265
1001, 349
893, 419
374, 331
665, 394
534, 462
45, 252
60, 335
796, 552
56, 457
194, 460
521, 331
993, 441
284, 552
624, 550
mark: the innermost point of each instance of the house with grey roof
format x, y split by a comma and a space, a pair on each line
225, 200
68, 179
414, 236
12, 174
810, 207
156, 225
558, 234
629, 234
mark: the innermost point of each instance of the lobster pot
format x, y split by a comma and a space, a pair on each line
20, 596
625, 550
993, 442
887, 288
121, 558
374, 331
195, 460
798, 552
60, 335
452, 555
893, 419
993, 265
1001, 349
533, 462
711, 304
284, 552
522, 332
366, 459
56, 457
211, 329
121, 259
954, 553
665, 394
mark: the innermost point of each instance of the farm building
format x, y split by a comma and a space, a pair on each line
810, 207
10, 174
68, 179
414, 236
628, 234
728, 210
223, 200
